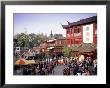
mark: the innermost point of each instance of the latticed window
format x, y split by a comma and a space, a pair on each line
77, 41
72, 41
71, 31
68, 41
96, 28
77, 30
68, 31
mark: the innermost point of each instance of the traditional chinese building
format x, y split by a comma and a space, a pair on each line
82, 35
54, 44
82, 31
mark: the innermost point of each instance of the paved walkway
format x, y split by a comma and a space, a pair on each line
58, 70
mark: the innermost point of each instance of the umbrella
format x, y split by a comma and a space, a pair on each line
37, 61
31, 61
21, 62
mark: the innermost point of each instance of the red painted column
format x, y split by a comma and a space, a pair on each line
73, 34
81, 33
94, 33
70, 37
66, 37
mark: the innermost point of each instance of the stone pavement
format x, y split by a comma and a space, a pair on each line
58, 70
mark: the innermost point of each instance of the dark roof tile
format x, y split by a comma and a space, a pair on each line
83, 21
85, 47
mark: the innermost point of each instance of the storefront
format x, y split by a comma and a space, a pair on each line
86, 49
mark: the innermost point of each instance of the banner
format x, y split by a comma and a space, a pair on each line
88, 33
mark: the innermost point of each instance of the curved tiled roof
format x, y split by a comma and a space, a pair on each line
85, 47
80, 22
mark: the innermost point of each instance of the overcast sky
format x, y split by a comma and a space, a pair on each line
45, 22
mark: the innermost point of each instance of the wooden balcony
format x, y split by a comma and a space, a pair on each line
77, 34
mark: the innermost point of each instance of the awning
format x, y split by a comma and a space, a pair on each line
31, 61
21, 62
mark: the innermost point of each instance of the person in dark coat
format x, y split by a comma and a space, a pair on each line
25, 72
75, 69
42, 72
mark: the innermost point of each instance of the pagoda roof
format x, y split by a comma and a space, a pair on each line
80, 22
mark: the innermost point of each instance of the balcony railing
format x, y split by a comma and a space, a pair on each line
77, 34
68, 35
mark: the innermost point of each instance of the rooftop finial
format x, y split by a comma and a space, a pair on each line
68, 22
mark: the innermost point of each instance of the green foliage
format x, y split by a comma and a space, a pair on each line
21, 40
68, 52
29, 40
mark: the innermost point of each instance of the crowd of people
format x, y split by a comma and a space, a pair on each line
42, 68
86, 67
46, 67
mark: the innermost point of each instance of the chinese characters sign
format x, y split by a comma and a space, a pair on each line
88, 33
